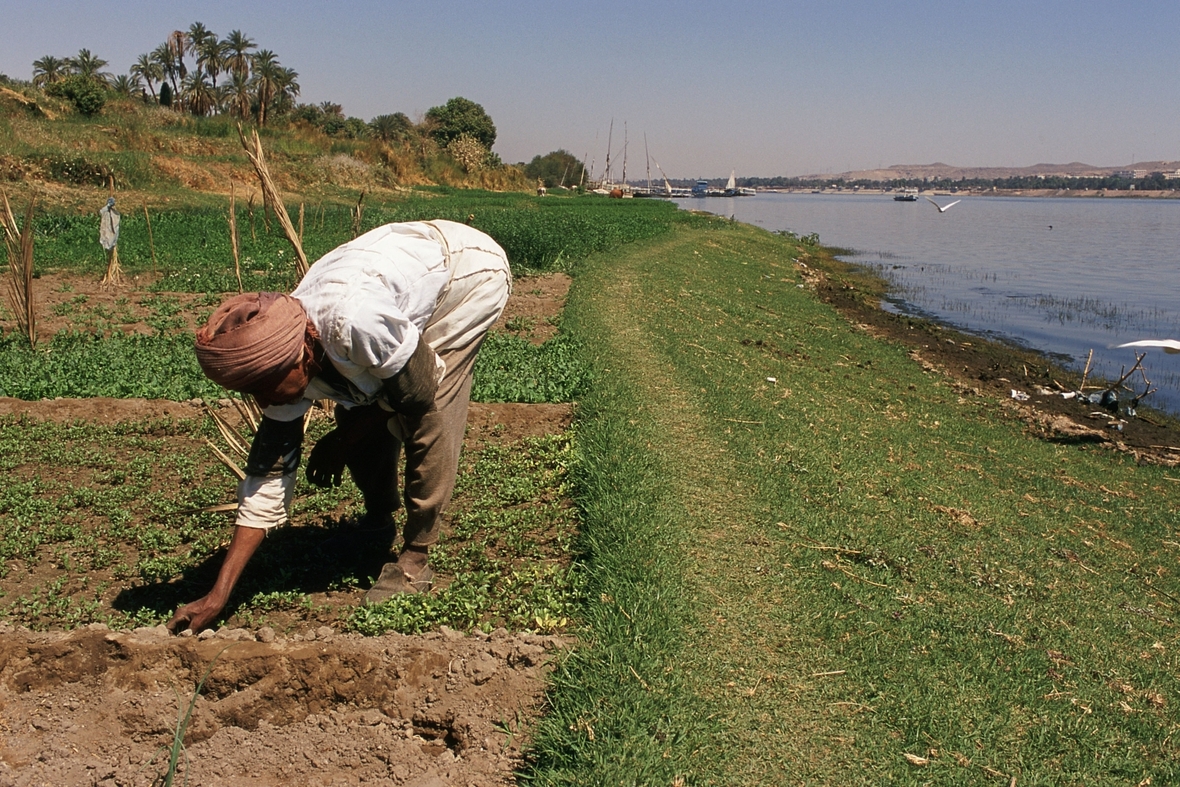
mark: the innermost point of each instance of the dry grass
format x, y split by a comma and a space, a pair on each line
19, 244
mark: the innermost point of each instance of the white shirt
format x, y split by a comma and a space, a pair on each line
369, 300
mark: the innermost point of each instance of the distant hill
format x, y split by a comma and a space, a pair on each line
948, 172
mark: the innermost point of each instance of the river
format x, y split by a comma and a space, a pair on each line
1060, 275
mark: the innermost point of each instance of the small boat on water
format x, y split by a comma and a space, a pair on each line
732, 190
906, 195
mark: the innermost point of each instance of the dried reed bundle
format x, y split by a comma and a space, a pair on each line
114, 275
19, 244
233, 234
271, 196
357, 212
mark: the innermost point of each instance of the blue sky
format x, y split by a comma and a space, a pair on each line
763, 88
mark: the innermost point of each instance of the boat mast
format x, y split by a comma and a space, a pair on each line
667, 185
609, 135
648, 157
624, 153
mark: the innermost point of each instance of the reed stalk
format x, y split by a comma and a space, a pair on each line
271, 196
18, 241
151, 240
357, 212
233, 234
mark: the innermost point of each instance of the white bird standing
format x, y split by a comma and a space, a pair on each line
1167, 345
943, 208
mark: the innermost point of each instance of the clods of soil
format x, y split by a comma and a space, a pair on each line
97, 707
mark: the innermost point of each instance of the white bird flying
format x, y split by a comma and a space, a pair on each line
1168, 345
943, 208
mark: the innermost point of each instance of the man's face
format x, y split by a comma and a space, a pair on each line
289, 389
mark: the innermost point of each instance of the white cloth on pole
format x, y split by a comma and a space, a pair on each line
108, 226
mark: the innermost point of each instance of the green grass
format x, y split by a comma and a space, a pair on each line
508, 552
847, 565
193, 255
193, 248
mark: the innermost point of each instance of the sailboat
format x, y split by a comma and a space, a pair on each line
732, 190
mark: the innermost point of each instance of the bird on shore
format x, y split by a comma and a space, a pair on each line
943, 208
1171, 346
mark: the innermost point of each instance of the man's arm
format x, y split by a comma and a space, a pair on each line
200, 613
262, 498
411, 391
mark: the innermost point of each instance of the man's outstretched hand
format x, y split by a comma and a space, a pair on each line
202, 612
196, 616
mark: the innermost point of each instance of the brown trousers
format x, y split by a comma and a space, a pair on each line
431, 446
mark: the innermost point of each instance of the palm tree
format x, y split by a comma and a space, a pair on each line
87, 65
149, 71
391, 127
199, 96
211, 57
49, 69
288, 90
162, 57
265, 65
196, 36
239, 93
237, 53
177, 43
203, 44
126, 85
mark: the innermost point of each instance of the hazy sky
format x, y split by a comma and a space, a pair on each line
763, 88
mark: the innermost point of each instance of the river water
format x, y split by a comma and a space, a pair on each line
1061, 275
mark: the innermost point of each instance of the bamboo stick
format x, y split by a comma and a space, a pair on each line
151, 241
233, 234
271, 196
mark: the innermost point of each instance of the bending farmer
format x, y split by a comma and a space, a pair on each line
388, 326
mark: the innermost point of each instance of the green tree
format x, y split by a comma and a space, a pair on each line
239, 93
89, 66
237, 53
149, 71
50, 69
199, 96
126, 86
88, 94
557, 168
388, 128
457, 117
288, 90
264, 64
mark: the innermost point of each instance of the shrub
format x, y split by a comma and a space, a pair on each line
86, 93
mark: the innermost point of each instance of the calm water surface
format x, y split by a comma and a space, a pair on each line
1061, 275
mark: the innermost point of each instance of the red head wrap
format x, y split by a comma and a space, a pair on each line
250, 338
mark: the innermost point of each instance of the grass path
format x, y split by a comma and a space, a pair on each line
815, 562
